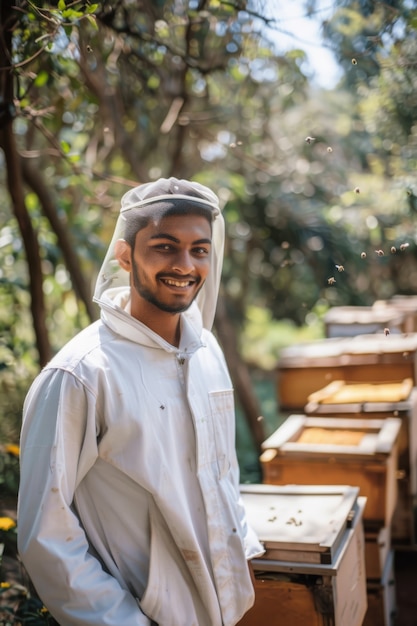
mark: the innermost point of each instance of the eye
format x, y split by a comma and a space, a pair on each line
163, 247
201, 251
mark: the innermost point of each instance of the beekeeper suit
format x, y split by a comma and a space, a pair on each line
129, 510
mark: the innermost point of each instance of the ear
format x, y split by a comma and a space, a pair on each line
122, 253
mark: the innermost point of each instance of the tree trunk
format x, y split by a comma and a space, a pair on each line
240, 374
34, 180
15, 183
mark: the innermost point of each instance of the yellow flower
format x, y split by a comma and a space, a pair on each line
4, 585
13, 448
44, 610
6, 523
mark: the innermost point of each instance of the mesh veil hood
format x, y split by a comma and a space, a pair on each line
152, 200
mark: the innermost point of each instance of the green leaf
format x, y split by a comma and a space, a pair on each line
65, 147
31, 201
41, 79
61, 5
92, 21
153, 82
72, 14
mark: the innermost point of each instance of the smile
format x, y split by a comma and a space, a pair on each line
177, 283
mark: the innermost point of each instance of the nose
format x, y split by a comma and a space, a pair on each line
183, 262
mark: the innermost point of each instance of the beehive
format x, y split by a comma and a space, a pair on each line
305, 526
348, 321
339, 452
404, 304
381, 598
342, 399
305, 368
377, 550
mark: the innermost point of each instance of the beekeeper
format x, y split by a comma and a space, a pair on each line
129, 511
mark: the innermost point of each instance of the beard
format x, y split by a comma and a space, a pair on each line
148, 295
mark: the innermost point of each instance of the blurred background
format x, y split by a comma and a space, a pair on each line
302, 117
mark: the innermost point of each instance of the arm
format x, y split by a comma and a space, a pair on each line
58, 447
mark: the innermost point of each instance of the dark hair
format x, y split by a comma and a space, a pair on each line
136, 221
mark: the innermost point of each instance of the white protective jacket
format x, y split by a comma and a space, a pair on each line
129, 509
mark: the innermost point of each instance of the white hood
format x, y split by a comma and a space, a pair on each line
152, 199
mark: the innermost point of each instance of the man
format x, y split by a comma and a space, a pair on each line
129, 510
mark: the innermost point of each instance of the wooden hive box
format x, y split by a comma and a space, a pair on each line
348, 321
336, 451
378, 547
381, 598
313, 568
379, 401
404, 304
404, 521
305, 368
375, 401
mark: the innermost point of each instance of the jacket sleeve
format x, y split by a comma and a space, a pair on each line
58, 446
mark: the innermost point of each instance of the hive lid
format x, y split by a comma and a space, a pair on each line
380, 344
318, 351
362, 315
304, 524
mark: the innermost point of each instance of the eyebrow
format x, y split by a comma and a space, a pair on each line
176, 240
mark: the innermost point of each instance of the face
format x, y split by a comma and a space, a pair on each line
169, 264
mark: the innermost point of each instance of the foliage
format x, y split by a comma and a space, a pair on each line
112, 94
18, 608
18, 601
115, 93
263, 338
281, 194
9, 469
362, 32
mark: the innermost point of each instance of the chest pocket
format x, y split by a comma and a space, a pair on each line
223, 419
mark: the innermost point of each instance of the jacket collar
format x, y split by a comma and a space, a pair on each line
115, 314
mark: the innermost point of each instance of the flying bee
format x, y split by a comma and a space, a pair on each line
340, 268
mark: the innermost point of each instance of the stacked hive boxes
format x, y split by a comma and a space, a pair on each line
313, 569
344, 451
406, 305
378, 401
304, 369
356, 400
